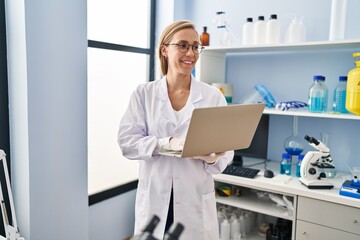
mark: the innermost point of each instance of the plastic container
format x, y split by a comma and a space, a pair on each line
340, 96
234, 228
318, 95
296, 31
260, 94
273, 30
248, 32
225, 230
298, 165
260, 31
285, 165
337, 20
353, 87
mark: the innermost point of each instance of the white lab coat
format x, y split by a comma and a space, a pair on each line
150, 117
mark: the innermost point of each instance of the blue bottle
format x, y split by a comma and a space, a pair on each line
298, 165
340, 96
285, 165
318, 95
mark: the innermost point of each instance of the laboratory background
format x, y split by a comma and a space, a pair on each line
57, 182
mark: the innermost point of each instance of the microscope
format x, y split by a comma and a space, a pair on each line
314, 165
147, 233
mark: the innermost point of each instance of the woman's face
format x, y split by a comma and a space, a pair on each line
182, 62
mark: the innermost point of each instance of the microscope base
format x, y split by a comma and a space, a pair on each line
316, 184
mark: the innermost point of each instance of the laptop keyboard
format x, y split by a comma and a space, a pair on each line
241, 171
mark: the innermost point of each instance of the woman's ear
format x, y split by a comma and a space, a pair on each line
164, 51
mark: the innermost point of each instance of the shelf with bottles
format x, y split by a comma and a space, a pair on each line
284, 47
306, 113
258, 201
211, 67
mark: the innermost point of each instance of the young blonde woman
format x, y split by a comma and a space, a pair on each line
175, 189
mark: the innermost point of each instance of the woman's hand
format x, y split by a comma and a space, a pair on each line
211, 158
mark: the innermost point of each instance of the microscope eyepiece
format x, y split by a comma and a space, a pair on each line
311, 140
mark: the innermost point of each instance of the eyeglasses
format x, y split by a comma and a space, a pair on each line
184, 47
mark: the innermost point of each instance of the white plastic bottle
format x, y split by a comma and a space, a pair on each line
260, 31
234, 227
248, 32
225, 230
337, 20
273, 30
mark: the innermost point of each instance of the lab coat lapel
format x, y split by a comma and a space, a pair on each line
195, 96
166, 108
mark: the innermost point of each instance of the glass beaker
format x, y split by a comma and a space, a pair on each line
294, 144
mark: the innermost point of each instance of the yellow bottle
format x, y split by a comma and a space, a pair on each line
353, 87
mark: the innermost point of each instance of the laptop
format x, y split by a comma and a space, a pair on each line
220, 129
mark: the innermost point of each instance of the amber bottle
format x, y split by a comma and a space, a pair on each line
205, 38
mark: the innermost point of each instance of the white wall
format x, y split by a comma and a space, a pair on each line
113, 218
47, 45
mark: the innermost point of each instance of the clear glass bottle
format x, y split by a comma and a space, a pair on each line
318, 95
298, 165
339, 99
285, 165
205, 37
294, 144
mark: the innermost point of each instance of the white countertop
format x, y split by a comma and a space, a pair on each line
293, 186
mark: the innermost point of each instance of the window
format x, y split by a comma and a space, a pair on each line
120, 57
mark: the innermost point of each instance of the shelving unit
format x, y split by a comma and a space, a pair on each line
211, 65
211, 68
305, 113
254, 204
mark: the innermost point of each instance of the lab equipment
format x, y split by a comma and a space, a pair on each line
340, 96
314, 163
174, 232
241, 171
248, 32
293, 144
260, 94
227, 37
273, 30
10, 227
234, 226
337, 20
226, 89
296, 31
205, 37
147, 233
353, 87
318, 95
285, 164
351, 188
260, 31
298, 165
225, 230
290, 105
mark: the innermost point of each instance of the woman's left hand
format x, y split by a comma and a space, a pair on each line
211, 158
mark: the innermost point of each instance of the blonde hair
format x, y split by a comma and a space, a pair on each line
166, 37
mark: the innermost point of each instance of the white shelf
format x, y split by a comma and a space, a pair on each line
319, 45
305, 113
255, 204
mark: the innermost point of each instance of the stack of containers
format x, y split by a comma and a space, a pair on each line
261, 31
